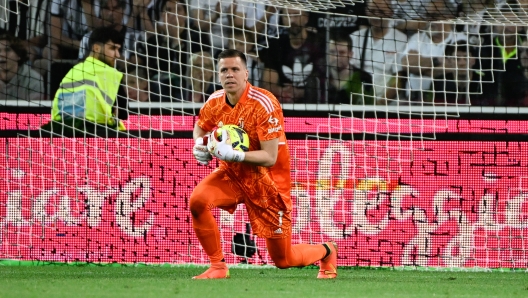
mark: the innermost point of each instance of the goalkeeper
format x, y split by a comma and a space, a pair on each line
259, 178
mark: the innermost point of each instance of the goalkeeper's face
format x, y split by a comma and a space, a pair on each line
233, 75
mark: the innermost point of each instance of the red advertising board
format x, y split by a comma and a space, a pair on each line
303, 124
449, 204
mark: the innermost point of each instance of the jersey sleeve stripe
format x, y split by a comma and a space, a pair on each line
263, 99
263, 103
263, 95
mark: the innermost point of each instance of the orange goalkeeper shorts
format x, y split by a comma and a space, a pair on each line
222, 192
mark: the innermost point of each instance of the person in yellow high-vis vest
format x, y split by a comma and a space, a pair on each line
85, 101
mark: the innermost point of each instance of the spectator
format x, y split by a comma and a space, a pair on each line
294, 62
423, 59
414, 15
70, 21
340, 70
137, 15
112, 13
215, 17
200, 77
473, 13
172, 43
523, 57
504, 83
256, 18
462, 84
17, 79
26, 20
376, 48
136, 83
86, 100
244, 41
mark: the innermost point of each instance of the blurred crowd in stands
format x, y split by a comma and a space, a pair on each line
381, 51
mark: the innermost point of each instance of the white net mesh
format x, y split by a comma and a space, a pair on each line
388, 78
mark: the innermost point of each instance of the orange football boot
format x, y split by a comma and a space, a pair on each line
328, 266
216, 271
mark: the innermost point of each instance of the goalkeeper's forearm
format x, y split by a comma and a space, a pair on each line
259, 158
198, 132
266, 156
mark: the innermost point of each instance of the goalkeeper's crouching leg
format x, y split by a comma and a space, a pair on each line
284, 255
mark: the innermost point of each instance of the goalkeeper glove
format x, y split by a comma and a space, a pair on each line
226, 152
200, 152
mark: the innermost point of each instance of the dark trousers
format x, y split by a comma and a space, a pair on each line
79, 128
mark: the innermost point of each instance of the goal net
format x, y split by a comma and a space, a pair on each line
367, 88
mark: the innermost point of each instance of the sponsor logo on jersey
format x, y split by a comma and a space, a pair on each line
278, 231
273, 121
275, 129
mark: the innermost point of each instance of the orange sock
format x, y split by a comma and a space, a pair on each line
307, 254
284, 255
210, 241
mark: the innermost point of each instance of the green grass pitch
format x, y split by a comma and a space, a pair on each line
160, 282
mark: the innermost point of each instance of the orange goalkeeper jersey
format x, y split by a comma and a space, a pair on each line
259, 113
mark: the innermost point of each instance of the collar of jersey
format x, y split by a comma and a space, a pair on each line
243, 98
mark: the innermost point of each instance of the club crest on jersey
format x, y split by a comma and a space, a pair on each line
241, 123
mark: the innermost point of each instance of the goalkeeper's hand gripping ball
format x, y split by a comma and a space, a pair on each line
200, 152
228, 143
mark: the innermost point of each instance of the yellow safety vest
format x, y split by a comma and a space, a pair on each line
88, 92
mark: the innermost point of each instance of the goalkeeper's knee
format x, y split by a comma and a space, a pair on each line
199, 203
